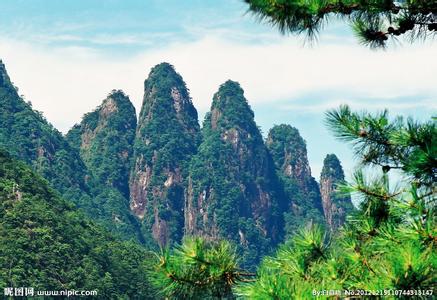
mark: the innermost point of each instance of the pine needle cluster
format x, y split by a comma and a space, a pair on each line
373, 21
390, 242
199, 269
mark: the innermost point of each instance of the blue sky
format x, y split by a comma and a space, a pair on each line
65, 56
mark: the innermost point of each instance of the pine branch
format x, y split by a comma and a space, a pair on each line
384, 197
373, 21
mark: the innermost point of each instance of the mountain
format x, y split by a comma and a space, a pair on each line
335, 206
159, 178
27, 135
97, 191
167, 136
48, 245
233, 191
288, 150
104, 140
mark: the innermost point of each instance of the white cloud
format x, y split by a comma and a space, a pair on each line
376, 104
67, 82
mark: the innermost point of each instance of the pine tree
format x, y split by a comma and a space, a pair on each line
374, 21
390, 242
198, 269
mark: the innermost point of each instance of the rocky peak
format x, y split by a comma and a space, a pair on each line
335, 206
230, 108
288, 150
167, 136
105, 140
232, 189
165, 89
111, 104
3, 73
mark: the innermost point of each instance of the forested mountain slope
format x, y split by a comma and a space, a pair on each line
162, 178
26, 134
104, 139
48, 245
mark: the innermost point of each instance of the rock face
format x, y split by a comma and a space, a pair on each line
288, 150
233, 190
335, 207
162, 178
167, 136
104, 139
98, 190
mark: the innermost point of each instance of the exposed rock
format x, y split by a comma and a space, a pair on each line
288, 150
167, 136
335, 206
105, 141
233, 189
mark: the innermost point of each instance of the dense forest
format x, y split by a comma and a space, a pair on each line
161, 207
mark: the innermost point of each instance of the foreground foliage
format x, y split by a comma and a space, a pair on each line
374, 22
199, 269
390, 243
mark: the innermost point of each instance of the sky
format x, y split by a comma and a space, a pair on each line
66, 56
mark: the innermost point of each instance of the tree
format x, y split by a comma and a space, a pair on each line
47, 244
390, 242
198, 269
373, 21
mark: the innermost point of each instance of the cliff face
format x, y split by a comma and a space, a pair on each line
233, 190
166, 137
335, 207
288, 150
104, 139
89, 167
162, 178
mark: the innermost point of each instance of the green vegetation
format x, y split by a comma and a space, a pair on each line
104, 140
336, 206
288, 150
167, 136
46, 244
231, 195
29, 137
199, 269
389, 243
374, 22
234, 193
